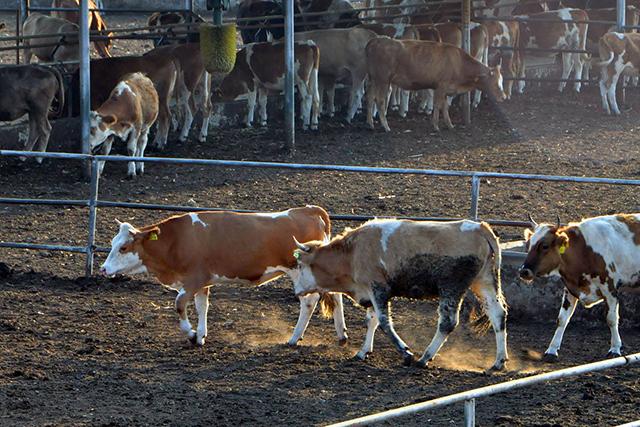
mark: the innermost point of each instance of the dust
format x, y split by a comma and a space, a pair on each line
465, 356
267, 329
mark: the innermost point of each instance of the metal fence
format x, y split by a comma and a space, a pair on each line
469, 397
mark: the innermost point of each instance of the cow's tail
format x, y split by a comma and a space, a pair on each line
313, 83
60, 93
327, 305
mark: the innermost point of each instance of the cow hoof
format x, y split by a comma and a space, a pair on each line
193, 339
343, 341
550, 358
362, 355
497, 367
612, 355
407, 358
422, 363
314, 127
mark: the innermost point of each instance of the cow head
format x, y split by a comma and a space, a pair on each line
304, 276
492, 83
127, 249
545, 246
102, 126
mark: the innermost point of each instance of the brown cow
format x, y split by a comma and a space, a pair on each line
259, 68
194, 251
192, 78
619, 54
161, 19
129, 113
96, 23
593, 258
416, 65
31, 89
504, 34
56, 48
383, 259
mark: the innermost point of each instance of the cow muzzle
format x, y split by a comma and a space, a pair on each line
526, 274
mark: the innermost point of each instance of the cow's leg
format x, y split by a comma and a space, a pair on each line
44, 130
338, 319
566, 311
162, 125
306, 102
439, 104
611, 93
445, 115
262, 106
188, 117
307, 306
105, 150
383, 104
404, 102
371, 103
604, 90
202, 307
496, 310
448, 317
355, 97
331, 99
477, 97
380, 295
314, 98
142, 145
372, 325
132, 149
206, 106
251, 107
181, 307
567, 66
33, 132
612, 321
578, 64
521, 73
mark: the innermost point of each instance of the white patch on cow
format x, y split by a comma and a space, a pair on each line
304, 281
540, 231
123, 87
222, 280
310, 43
274, 214
473, 25
618, 35
196, 219
469, 226
388, 227
119, 263
383, 264
591, 298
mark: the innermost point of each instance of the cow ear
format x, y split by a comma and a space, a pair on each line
150, 234
109, 119
527, 234
562, 240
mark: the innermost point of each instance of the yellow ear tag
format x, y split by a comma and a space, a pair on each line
562, 249
153, 236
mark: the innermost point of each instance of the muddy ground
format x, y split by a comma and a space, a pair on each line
108, 352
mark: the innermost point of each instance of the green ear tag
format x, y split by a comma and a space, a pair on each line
296, 255
153, 236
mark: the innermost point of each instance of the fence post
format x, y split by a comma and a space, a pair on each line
289, 100
188, 6
470, 413
93, 212
85, 82
466, 45
475, 197
621, 9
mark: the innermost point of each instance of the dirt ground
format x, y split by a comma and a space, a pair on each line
95, 351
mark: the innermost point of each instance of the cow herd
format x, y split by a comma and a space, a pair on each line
376, 262
384, 65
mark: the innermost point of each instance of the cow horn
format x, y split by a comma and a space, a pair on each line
301, 246
558, 220
532, 221
118, 221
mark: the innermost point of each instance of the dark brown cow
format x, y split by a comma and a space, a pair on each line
192, 252
96, 23
596, 31
168, 35
31, 89
417, 65
594, 258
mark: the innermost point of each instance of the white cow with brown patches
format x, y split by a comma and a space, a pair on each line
619, 54
129, 113
594, 258
383, 259
192, 252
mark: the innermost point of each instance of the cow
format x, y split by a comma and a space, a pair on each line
194, 251
340, 14
504, 34
96, 23
346, 59
263, 29
556, 35
383, 259
527, 7
107, 72
594, 258
417, 65
259, 68
619, 54
129, 113
177, 18
192, 77
62, 48
31, 89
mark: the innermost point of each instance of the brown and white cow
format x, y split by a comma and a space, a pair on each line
345, 58
31, 89
55, 48
619, 55
504, 34
259, 68
555, 35
192, 79
594, 258
129, 113
168, 36
383, 259
96, 23
194, 251
417, 65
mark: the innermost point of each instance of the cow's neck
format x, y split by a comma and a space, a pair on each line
158, 258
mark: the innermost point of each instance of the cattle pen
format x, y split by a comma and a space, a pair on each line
87, 349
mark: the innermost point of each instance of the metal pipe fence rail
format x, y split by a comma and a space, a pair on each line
93, 201
469, 397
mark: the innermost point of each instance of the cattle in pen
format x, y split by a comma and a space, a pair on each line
192, 252
594, 258
62, 47
384, 259
619, 55
96, 22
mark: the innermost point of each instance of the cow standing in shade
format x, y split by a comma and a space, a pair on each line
594, 258
192, 252
383, 259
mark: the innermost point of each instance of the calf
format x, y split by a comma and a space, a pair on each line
259, 68
31, 89
129, 113
556, 35
383, 259
192, 252
594, 258
504, 34
96, 23
62, 48
416, 65
619, 53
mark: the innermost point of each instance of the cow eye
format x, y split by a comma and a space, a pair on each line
544, 246
123, 249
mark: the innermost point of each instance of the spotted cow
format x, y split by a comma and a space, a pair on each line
383, 259
192, 252
619, 54
594, 258
504, 34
